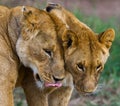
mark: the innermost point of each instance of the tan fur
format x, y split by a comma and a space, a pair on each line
85, 52
28, 39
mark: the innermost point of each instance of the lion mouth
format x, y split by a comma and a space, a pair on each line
49, 84
57, 84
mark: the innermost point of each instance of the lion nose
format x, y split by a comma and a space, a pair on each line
89, 88
58, 75
57, 78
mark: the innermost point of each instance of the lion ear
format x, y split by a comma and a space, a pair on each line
56, 10
28, 31
69, 38
52, 6
107, 37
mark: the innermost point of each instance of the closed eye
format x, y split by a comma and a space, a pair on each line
80, 67
99, 67
48, 52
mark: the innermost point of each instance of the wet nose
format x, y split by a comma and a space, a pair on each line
89, 88
57, 78
58, 75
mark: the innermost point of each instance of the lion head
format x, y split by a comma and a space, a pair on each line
38, 48
85, 52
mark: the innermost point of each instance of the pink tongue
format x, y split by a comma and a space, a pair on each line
53, 85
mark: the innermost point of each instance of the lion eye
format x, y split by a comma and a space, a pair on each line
48, 52
80, 67
99, 67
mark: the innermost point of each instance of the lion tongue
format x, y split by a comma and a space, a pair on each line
53, 84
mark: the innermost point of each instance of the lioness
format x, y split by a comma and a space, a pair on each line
85, 53
28, 42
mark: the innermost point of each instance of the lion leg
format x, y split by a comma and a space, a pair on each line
6, 96
8, 76
61, 96
34, 96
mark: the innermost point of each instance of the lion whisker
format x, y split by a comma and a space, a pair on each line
98, 89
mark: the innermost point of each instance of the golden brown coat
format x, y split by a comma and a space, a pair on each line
85, 52
28, 39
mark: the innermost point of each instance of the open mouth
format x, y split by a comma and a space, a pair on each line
48, 84
58, 84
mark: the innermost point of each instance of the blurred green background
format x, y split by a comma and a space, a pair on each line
98, 15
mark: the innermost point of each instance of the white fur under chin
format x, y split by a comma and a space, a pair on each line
34, 69
40, 84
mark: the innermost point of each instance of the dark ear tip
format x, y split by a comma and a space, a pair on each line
49, 8
52, 6
23, 9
